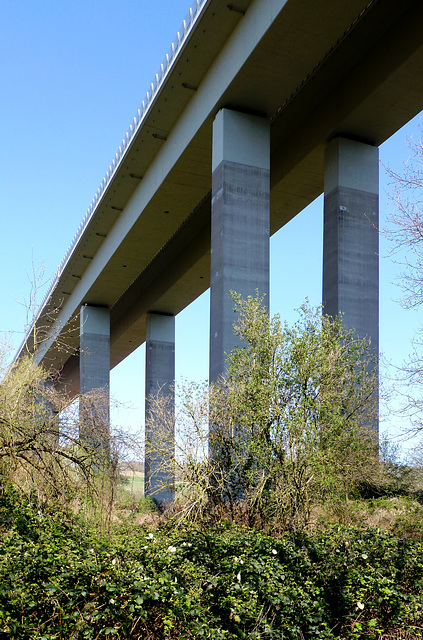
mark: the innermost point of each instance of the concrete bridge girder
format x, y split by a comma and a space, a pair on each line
315, 70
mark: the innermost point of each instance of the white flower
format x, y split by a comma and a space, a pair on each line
112, 601
360, 605
238, 576
274, 552
114, 561
150, 535
172, 549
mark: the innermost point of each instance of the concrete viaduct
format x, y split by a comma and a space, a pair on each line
258, 107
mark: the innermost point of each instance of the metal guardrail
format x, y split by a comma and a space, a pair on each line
160, 77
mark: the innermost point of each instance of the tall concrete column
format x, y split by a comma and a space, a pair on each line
351, 237
240, 224
94, 372
160, 426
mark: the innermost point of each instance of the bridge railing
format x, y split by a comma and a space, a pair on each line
140, 116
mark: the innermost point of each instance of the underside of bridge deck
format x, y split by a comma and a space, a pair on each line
315, 70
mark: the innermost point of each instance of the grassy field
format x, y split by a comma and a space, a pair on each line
133, 482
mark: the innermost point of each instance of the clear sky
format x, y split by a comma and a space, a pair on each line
73, 74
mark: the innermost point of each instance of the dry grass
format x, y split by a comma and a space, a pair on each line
413, 633
384, 513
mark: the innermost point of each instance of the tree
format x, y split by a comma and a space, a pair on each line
289, 423
52, 456
181, 463
406, 236
53, 446
37, 451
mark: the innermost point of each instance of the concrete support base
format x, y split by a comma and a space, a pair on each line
94, 374
240, 224
351, 237
159, 417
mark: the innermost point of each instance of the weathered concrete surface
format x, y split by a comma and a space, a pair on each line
94, 374
94, 357
240, 223
159, 379
351, 237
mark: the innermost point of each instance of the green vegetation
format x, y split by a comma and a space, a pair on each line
289, 527
291, 424
62, 579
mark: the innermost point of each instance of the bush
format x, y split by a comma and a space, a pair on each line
290, 424
61, 580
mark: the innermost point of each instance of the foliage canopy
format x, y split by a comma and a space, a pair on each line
290, 423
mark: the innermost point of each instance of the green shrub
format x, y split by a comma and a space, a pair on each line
60, 580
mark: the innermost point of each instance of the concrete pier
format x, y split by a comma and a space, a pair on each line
94, 371
240, 224
351, 237
159, 379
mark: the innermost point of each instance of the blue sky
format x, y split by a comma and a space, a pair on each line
73, 76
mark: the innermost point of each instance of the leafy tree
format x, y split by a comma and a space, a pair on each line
289, 423
291, 419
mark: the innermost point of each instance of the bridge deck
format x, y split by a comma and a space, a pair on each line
315, 68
